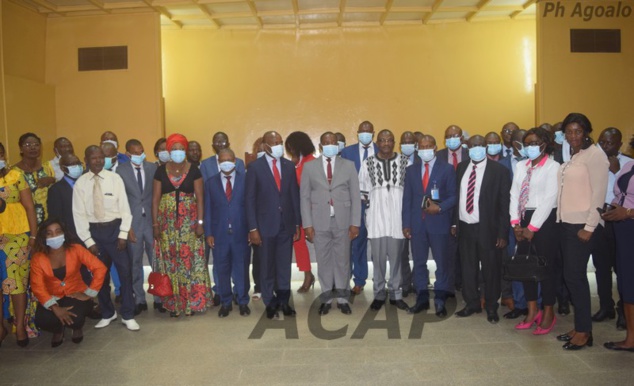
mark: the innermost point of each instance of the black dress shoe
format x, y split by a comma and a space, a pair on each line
564, 337
287, 310
563, 309
621, 324
58, 343
408, 290
271, 313
492, 317
516, 313
138, 309
441, 311
23, 342
418, 307
400, 304
224, 311
377, 304
613, 346
345, 308
463, 313
573, 347
602, 315
244, 310
324, 309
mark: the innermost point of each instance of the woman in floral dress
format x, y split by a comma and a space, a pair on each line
177, 213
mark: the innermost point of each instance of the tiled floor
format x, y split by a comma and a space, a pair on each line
204, 349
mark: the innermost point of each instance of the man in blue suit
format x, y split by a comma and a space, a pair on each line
358, 153
429, 198
209, 167
274, 220
226, 232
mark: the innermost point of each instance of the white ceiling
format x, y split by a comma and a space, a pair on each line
254, 14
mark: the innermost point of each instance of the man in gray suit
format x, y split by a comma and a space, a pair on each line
331, 215
138, 176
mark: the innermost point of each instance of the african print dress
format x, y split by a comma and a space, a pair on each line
40, 195
179, 252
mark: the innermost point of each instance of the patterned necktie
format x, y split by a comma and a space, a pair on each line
471, 190
365, 152
455, 160
97, 198
276, 175
228, 188
426, 177
524, 190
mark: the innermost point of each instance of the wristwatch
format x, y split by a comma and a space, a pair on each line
200, 222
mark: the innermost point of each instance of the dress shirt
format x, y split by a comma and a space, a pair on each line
582, 183
565, 151
115, 204
623, 160
223, 180
473, 217
324, 162
59, 174
70, 181
362, 149
270, 159
542, 193
450, 153
505, 150
629, 194
411, 158
135, 170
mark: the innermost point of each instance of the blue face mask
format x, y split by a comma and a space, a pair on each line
3, 164
75, 171
533, 152
277, 151
342, 145
477, 153
177, 156
426, 154
137, 159
365, 138
55, 242
453, 143
559, 137
261, 154
330, 151
520, 149
227, 166
494, 149
408, 149
107, 163
164, 156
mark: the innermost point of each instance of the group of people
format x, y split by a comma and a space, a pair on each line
67, 232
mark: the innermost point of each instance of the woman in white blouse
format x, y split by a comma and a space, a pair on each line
533, 217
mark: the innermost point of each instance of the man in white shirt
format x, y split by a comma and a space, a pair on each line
103, 219
61, 147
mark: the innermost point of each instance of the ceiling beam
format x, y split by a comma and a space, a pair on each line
434, 8
99, 4
206, 12
254, 12
388, 7
342, 7
163, 12
481, 5
47, 5
524, 6
296, 11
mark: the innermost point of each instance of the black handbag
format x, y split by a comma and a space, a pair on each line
525, 267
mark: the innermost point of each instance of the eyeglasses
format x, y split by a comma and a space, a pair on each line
31, 145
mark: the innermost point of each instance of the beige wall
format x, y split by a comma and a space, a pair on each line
127, 102
476, 75
600, 85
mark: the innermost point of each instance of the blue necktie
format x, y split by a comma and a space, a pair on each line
365, 152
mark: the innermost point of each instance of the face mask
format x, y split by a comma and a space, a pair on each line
559, 137
227, 166
3, 164
261, 154
57, 155
277, 151
75, 171
494, 149
108, 163
365, 138
452, 143
137, 159
342, 145
533, 152
164, 156
177, 156
408, 149
477, 153
464, 146
55, 242
114, 143
426, 154
520, 149
330, 151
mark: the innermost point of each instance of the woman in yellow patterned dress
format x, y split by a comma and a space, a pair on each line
38, 175
16, 222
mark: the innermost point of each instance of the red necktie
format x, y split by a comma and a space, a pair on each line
276, 175
228, 189
471, 190
329, 170
455, 160
426, 177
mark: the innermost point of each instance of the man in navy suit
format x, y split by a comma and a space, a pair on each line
358, 153
274, 220
429, 198
226, 232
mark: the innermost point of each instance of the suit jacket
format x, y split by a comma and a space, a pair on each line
316, 194
352, 153
495, 195
209, 167
442, 155
60, 203
268, 207
445, 178
506, 162
138, 200
220, 212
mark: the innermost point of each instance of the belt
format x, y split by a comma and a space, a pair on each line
116, 222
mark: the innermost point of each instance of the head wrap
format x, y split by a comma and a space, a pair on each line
174, 139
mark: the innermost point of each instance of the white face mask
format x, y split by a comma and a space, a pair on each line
114, 143
277, 151
55, 242
3, 164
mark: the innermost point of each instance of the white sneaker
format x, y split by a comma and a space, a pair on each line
106, 321
131, 324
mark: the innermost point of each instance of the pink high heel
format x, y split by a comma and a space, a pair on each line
529, 324
544, 331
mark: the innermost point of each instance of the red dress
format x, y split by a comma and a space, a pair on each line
302, 256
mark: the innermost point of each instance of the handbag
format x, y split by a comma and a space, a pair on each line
526, 267
159, 284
